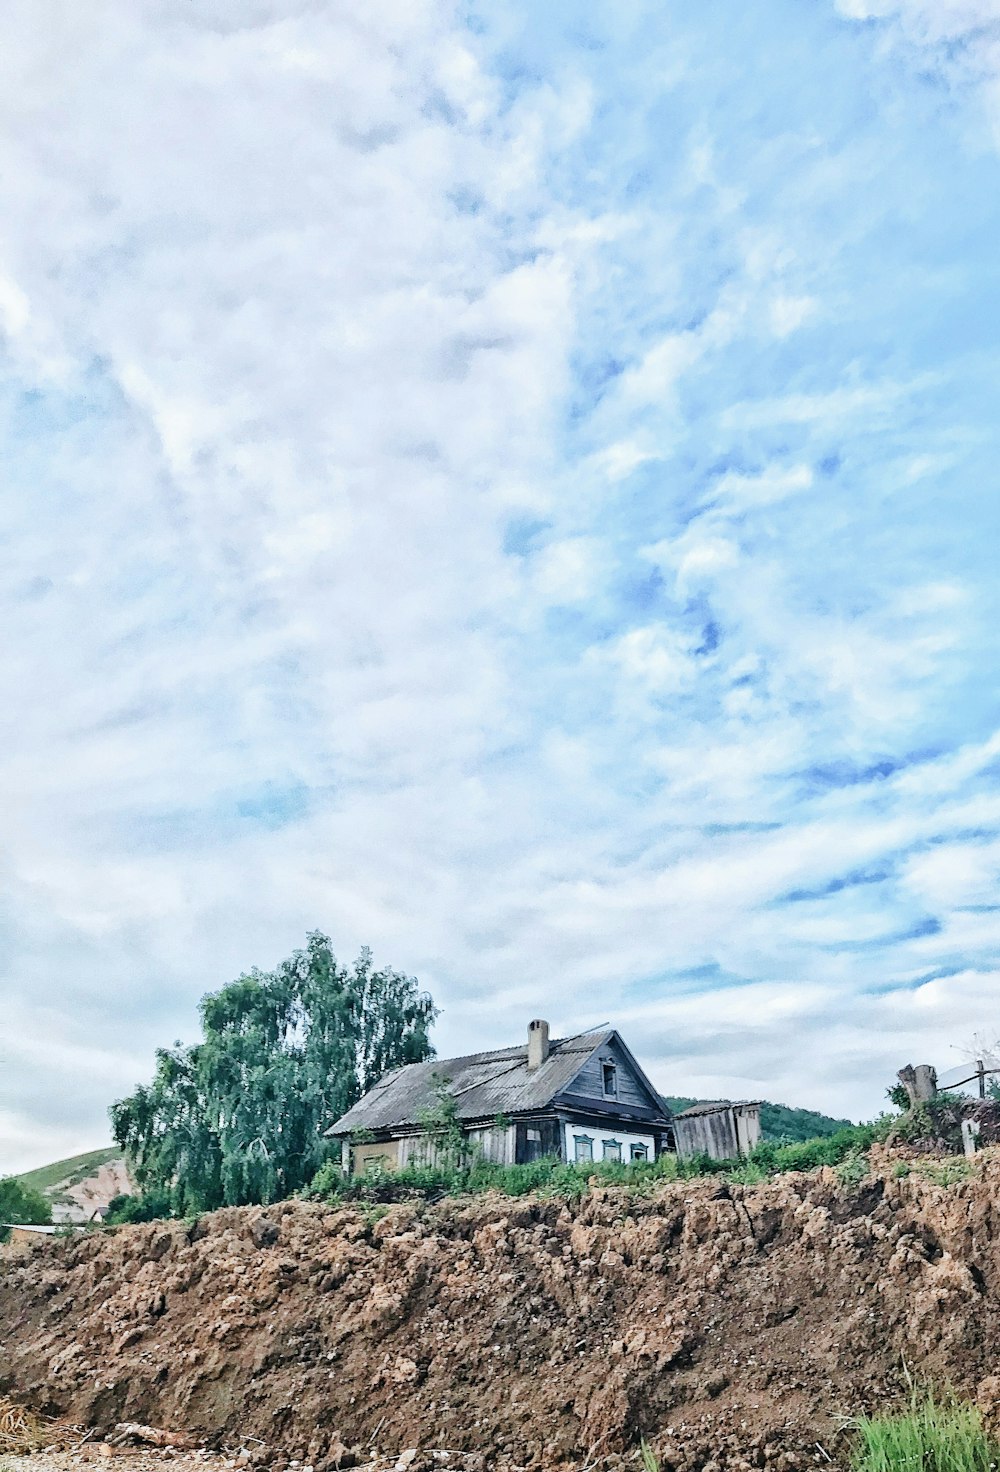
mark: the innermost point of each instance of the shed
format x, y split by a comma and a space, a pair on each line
721, 1129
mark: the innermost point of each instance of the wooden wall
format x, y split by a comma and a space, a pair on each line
589, 1082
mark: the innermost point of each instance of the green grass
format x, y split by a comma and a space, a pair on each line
68, 1172
551, 1177
546, 1177
934, 1434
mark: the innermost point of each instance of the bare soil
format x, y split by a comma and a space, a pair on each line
734, 1327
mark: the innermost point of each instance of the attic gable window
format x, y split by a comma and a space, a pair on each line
609, 1076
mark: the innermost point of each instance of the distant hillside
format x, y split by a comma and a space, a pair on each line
779, 1122
81, 1185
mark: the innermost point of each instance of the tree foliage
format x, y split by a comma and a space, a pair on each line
20, 1204
240, 1117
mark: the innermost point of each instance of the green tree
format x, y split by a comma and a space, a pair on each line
20, 1204
241, 1116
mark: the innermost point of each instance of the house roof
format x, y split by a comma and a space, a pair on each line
716, 1106
482, 1084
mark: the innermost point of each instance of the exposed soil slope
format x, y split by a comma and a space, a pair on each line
729, 1325
78, 1187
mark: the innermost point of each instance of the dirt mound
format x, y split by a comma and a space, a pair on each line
731, 1326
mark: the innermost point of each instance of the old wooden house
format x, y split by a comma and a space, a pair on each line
581, 1099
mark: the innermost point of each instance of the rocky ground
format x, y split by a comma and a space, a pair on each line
733, 1327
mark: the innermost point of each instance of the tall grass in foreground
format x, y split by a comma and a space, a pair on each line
935, 1434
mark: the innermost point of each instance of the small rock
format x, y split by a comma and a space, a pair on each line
406, 1458
264, 1232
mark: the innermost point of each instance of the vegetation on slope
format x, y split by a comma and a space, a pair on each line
69, 1172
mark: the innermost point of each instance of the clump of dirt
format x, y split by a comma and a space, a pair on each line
731, 1326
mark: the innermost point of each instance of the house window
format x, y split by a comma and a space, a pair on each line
609, 1072
584, 1148
612, 1149
639, 1152
535, 1136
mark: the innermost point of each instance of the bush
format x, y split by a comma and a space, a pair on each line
21, 1205
552, 1177
150, 1207
547, 1177
810, 1154
932, 1435
845, 1150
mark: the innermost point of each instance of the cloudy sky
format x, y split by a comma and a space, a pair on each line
514, 485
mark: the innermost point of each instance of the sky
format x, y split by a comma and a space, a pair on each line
514, 486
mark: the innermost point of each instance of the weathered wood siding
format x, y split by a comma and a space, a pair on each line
589, 1082
725, 1134
499, 1146
538, 1137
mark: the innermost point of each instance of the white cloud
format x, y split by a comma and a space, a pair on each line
957, 38
303, 315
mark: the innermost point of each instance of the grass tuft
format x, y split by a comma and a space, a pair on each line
649, 1460
935, 1434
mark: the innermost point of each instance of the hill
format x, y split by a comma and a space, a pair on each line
779, 1123
80, 1185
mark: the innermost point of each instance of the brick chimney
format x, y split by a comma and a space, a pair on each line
538, 1043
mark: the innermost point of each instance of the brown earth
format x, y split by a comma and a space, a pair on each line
732, 1326
77, 1201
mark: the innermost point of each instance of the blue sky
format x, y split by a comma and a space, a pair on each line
515, 487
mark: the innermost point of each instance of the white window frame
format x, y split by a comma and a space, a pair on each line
597, 1135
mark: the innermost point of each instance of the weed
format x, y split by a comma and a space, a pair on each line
747, 1173
944, 1172
934, 1434
853, 1169
650, 1461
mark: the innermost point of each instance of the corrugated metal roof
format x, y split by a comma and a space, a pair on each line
715, 1106
482, 1084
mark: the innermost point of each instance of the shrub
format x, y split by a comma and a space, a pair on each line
845, 1150
20, 1204
149, 1207
934, 1434
546, 1177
